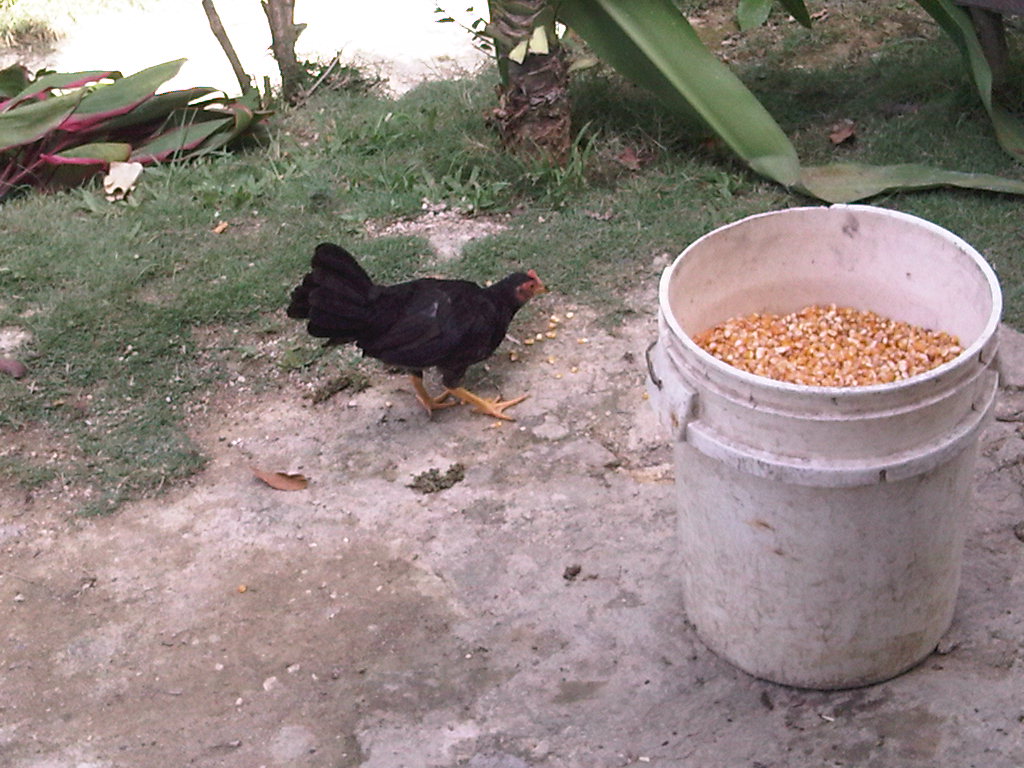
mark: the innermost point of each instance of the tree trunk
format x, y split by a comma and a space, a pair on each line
244, 81
283, 33
533, 113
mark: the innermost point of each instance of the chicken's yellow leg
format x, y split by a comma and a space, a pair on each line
495, 407
430, 403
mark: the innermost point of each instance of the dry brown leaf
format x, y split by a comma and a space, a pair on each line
282, 481
221, 226
844, 130
629, 158
12, 367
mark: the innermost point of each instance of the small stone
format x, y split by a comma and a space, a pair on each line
271, 683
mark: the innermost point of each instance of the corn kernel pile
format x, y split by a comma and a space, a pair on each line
828, 346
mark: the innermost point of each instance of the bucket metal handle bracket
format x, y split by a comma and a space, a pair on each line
650, 365
673, 401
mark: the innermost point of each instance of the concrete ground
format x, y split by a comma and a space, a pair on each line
528, 615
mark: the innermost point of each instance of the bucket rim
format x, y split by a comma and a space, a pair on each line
865, 390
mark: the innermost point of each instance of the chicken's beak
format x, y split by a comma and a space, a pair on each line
538, 287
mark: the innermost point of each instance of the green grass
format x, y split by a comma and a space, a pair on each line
139, 313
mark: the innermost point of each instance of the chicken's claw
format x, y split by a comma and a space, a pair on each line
495, 408
426, 400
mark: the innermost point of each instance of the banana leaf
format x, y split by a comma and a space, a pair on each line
847, 182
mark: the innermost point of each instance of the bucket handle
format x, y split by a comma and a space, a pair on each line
675, 405
650, 365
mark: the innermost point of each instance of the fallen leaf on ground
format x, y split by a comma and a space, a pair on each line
121, 180
12, 367
221, 226
282, 481
629, 158
844, 130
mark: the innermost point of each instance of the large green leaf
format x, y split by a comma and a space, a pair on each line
653, 44
34, 121
183, 138
752, 13
157, 108
847, 182
798, 11
59, 81
100, 152
122, 95
13, 80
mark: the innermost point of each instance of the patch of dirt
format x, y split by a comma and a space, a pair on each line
446, 229
225, 623
13, 339
841, 32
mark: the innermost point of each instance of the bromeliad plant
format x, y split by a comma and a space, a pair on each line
60, 128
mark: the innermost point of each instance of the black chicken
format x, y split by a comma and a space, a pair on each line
425, 323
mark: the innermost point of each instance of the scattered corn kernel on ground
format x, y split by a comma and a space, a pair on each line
828, 346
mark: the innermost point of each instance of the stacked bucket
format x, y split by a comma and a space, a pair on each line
821, 529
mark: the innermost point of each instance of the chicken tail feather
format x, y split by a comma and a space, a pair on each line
334, 296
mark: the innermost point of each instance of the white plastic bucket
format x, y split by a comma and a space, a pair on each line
821, 529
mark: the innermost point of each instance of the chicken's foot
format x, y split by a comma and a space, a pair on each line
495, 407
426, 399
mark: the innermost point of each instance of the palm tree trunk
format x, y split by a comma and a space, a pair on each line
533, 113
